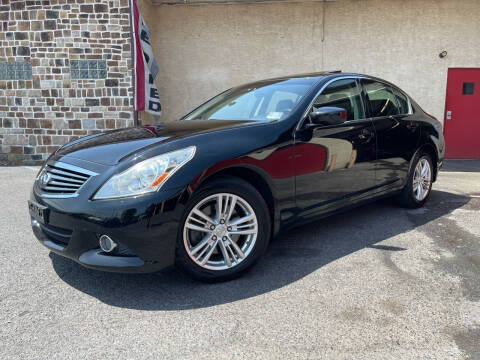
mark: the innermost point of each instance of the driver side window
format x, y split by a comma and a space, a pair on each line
343, 94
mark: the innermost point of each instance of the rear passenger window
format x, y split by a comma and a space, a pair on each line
402, 102
381, 99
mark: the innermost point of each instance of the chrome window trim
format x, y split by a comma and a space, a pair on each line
65, 166
347, 77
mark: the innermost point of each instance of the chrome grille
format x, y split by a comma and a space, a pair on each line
62, 180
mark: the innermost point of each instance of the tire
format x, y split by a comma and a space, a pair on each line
198, 239
409, 196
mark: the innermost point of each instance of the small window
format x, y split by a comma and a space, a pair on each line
381, 99
402, 101
343, 94
468, 88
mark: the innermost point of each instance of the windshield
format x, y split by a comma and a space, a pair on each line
270, 100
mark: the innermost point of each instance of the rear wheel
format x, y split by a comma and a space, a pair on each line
225, 229
419, 184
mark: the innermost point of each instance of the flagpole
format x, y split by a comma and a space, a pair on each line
132, 52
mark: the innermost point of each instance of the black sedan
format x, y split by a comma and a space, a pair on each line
208, 192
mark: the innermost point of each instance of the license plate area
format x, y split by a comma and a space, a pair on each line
38, 212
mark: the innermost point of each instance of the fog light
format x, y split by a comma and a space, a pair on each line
107, 244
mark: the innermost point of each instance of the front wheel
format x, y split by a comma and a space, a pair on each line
419, 184
225, 229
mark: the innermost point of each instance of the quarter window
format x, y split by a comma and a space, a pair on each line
343, 94
381, 99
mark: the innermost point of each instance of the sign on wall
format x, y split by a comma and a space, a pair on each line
146, 67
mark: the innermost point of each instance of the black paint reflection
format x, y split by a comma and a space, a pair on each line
346, 150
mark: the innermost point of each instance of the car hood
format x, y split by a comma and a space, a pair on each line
111, 147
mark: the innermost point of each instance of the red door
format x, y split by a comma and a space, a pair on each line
462, 114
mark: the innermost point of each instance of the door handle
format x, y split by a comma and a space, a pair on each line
449, 115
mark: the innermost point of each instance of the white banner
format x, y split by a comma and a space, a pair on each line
146, 67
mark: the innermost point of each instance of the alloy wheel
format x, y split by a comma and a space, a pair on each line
220, 231
422, 179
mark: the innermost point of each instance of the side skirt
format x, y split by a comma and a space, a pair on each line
354, 204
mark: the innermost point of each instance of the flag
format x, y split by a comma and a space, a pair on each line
145, 65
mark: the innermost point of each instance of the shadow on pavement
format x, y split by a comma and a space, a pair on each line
292, 256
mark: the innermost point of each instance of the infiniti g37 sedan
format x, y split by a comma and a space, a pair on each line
208, 192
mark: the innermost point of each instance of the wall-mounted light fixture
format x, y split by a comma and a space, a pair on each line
443, 54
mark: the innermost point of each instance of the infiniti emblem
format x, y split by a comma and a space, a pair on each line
45, 178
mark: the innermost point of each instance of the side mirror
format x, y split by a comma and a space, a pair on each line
328, 115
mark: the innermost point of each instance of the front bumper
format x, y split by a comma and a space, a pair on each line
146, 226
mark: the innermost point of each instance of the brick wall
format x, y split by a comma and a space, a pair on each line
65, 72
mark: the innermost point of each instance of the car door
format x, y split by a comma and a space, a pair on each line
335, 163
397, 132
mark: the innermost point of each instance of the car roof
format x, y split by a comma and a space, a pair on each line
311, 78
322, 75
317, 77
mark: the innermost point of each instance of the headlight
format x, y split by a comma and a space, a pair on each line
146, 176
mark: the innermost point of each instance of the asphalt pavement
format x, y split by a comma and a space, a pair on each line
377, 282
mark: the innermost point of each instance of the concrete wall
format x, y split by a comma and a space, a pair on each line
204, 49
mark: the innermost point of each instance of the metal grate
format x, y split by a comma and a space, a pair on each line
60, 179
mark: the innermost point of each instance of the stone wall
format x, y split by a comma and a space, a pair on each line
65, 72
